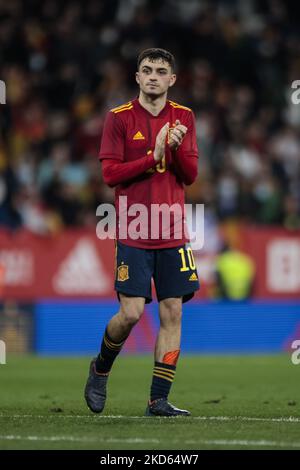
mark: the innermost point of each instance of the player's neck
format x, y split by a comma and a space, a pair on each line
153, 105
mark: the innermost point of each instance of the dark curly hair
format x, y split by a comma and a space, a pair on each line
156, 53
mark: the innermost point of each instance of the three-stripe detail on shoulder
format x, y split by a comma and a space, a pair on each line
178, 106
123, 107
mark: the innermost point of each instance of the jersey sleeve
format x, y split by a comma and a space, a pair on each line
115, 173
113, 138
189, 144
185, 158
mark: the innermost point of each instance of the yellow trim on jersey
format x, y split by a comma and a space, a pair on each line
176, 105
123, 107
121, 110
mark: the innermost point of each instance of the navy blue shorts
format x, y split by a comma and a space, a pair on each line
173, 271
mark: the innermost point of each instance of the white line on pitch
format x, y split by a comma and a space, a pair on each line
289, 419
137, 440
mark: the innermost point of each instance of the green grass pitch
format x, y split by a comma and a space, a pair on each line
237, 402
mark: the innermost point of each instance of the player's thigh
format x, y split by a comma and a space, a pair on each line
175, 273
134, 270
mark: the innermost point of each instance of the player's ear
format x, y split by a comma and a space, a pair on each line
137, 78
172, 79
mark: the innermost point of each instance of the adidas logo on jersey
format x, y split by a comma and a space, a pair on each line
193, 277
138, 136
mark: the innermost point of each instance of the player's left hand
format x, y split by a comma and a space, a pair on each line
176, 135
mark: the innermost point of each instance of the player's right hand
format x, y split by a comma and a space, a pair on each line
160, 143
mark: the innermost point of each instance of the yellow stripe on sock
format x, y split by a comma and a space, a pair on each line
165, 368
167, 371
114, 344
107, 343
162, 377
165, 374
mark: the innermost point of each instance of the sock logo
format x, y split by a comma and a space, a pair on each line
171, 357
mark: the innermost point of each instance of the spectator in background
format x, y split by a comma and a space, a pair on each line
235, 273
65, 64
291, 219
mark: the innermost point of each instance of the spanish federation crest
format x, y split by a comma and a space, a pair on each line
123, 273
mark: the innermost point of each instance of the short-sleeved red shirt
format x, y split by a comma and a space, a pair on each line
129, 133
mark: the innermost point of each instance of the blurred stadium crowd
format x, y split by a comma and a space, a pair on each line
65, 64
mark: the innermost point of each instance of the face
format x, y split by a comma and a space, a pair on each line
154, 78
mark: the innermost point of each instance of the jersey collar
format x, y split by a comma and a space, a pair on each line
162, 113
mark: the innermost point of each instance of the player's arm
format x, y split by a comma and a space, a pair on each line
185, 153
115, 171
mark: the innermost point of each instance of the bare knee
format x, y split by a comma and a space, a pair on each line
131, 309
171, 312
130, 317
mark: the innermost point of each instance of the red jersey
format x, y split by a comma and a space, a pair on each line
126, 153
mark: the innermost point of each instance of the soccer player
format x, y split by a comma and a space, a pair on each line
149, 152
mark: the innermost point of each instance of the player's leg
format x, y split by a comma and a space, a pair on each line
169, 335
133, 286
167, 349
118, 330
176, 281
115, 335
